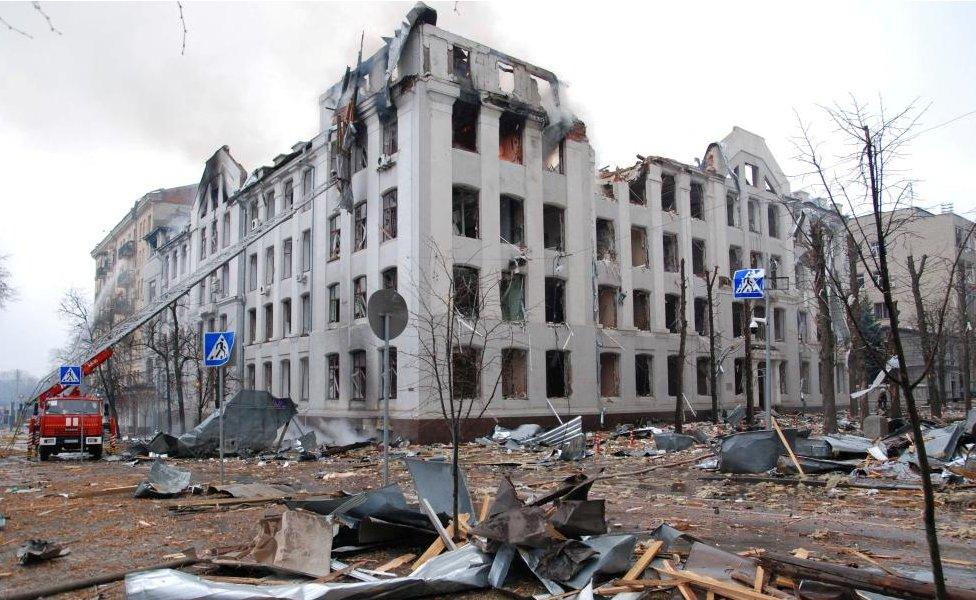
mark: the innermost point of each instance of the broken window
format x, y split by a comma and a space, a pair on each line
732, 209
674, 372
784, 383
510, 128
772, 277
668, 201
269, 205
779, 324
802, 329
609, 374
606, 243
514, 373
466, 369
252, 272
306, 250
643, 371
334, 303
268, 321
393, 370
697, 200
466, 292
671, 316
759, 312
306, 314
506, 77
252, 325
555, 300
755, 260
558, 376
390, 146
750, 173
513, 296
701, 375
738, 312
607, 297
465, 212
390, 215
735, 258
607, 189
308, 183
289, 195
553, 231
335, 237
805, 376
389, 278
285, 369
554, 159
670, 252
464, 126
359, 147
773, 214
358, 375
768, 186
461, 62
268, 381
359, 297
698, 257
881, 311
203, 243
753, 207
512, 220
225, 232
359, 227
269, 266
332, 368
642, 310
252, 213
738, 367
286, 317
638, 190
638, 246
701, 316
286, 259
303, 378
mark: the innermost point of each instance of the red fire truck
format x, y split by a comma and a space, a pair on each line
66, 421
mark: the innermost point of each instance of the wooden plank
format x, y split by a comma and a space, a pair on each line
782, 438
103, 492
434, 549
395, 563
645, 559
683, 588
485, 505
723, 588
760, 579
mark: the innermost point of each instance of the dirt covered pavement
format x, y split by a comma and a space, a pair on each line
88, 507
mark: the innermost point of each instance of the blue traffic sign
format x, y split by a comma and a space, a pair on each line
217, 346
749, 284
70, 375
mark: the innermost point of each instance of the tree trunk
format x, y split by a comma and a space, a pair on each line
903, 377
682, 342
178, 366
456, 471
747, 359
963, 303
856, 365
712, 366
924, 335
940, 377
825, 327
169, 398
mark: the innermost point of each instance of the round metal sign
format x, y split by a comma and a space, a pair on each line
387, 303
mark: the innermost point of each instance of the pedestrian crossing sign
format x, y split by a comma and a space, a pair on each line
749, 284
217, 346
70, 375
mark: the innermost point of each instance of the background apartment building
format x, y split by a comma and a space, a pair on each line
439, 153
941, 238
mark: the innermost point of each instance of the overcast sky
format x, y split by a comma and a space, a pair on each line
92, 119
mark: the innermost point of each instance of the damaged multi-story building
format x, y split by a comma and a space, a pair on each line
439, 155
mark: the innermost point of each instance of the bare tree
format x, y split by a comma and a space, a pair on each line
156, 339
964, 325
679, 408
460, 334
929, 345
710, 279
856, 359
7, 291
865, 177
825, 328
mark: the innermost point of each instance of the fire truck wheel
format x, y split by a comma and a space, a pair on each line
43, 453
96, 454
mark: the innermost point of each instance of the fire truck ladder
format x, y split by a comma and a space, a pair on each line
101, 350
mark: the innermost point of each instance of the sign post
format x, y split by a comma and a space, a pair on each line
750, 284
217, 348
387, 313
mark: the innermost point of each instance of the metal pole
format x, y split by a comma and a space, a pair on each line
768, 379
220, 418
386, 399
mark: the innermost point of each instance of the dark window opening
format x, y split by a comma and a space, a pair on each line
359, 147
390, 215
335, 237
467, 372
515, 383
773, 218
701, 373
466, 298
755, 260
607, 297
738, 312
555, 300
609, 374
697, 201
513, 296
512, 220
465, 215
461, 62
642, 310
558, 374
390, 136
701, 316
359, 297
332, 393
606, 243
670, 252
358, 375
674, 372
732, 210
643, 369
359, 227
698, 257
510, 130
389, 278
671, 316
735, 259
779, 324
464, 126
393, 374
553, 229
668, 201
334, 303
638, 190
638, 247
607, 189
739, 374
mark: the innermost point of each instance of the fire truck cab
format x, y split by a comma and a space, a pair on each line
71, 424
